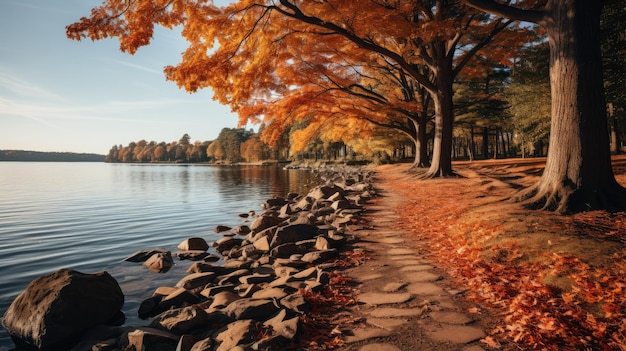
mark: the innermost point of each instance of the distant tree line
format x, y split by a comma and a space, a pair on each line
40, 156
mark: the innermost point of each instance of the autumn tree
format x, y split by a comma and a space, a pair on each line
239, 50
578, 174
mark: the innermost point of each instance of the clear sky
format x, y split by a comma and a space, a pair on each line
62, 95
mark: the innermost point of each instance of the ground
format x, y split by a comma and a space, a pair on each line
453, 264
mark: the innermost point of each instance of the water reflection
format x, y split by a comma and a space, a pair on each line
90, 216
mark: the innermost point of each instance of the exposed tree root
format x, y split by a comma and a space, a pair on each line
563, 198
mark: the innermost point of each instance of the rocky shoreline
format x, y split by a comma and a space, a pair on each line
251, 293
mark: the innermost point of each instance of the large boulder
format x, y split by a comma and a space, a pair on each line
57, 307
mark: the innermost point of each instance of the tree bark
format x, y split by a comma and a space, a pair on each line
578, 175
441, 165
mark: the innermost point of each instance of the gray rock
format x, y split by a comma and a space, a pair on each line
193, 244
181, 321
156, 304
160, 262
56, 307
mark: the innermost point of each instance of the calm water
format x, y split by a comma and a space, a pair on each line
90, 216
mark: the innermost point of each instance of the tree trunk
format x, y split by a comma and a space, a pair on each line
421, 143
578, 174
441, 165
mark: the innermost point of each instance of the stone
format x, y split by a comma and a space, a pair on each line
308, 273
374, 298
294, 233
400, 251
386, 323
186, 343
388, 312
57, 307
156, 304
393, 287
194, 243
448, 317
242, 230
251, 309
330, 242
425, 288
202, 345
146, 338
422, 276
222, 228
256, 278
192, 255
262, 243
200, 267
315, 257
233, 277
379, 347
295, 302
270, 293
195, 280
223, 299
283, 326
264, 222
234, 334
416, 268
366, 333
456, 334
143, 255
160, 262
226, 243
293, 248
282, 271
210, 291
181, 321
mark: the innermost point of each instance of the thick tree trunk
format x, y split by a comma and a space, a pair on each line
578, 174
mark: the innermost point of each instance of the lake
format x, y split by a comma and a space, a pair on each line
90, 216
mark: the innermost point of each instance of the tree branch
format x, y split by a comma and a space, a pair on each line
494, 8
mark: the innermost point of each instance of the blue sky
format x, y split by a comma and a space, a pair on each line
58, 94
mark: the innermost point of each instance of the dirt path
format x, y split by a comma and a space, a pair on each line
423, 239
404, 301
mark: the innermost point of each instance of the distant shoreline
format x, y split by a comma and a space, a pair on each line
43, 156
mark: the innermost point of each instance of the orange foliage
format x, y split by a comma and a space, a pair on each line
284, 61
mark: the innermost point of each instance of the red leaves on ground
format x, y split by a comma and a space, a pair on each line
589, 312
319, 324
